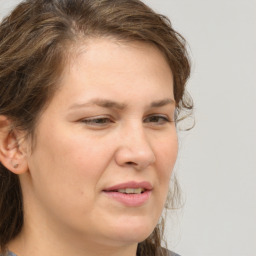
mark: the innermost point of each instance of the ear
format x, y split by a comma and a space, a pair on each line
12, 150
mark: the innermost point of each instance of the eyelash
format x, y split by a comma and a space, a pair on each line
95, 121
105, 121
164, 119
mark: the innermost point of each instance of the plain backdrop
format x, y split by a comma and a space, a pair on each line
217, 159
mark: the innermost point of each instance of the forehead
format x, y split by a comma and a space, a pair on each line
107, 66
106, 55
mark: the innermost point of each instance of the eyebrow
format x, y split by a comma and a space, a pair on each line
105, 103
161, 103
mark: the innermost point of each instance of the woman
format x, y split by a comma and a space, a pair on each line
90, 95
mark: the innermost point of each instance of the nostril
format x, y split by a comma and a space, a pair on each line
130, 163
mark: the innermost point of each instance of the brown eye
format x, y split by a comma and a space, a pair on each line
99, 121
157, 119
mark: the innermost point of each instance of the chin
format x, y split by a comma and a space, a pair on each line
134, 232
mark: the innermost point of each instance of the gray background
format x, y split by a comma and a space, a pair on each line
217, 159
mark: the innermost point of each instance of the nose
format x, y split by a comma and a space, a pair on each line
135, 150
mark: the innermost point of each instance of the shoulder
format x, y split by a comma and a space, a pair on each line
173, 254
167, 252
170, 253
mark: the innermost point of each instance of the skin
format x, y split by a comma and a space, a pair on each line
82, 148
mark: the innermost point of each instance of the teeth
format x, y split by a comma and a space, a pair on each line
131, 190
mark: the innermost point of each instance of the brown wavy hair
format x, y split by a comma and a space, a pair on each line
34, 43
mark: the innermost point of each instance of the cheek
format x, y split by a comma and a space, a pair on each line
66, 164
167, 151
64, 176
166, 157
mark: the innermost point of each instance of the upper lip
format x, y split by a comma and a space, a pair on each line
131, 184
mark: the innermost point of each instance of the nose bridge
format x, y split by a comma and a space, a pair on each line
135, 147
138, 141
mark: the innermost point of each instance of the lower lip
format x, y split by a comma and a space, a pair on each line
132, 200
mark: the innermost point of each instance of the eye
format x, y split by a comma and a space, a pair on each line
157, 119
97, 121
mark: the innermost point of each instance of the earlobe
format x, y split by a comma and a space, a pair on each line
12, 154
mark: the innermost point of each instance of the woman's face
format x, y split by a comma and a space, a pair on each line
105, 146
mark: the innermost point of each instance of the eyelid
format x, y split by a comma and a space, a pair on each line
91, 121
105, 121
166, 118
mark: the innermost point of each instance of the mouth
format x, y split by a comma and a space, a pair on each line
131, 190
131, 187
131, 193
